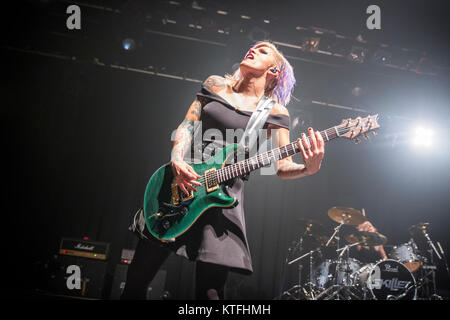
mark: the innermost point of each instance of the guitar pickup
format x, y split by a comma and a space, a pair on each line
211, 180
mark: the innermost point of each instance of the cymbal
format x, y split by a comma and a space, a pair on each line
419, 227
310, 223
314, 230
322, 241
311, 226
367, 238
349, 216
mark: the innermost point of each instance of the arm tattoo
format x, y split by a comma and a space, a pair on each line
196, 109
183, 138
185, 131
214, 83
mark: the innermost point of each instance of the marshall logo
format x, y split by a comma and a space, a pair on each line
84, 247
388, 268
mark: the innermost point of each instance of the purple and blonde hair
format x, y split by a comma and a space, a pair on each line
282, 86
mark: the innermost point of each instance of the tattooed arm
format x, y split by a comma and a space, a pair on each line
185, 175
185, 130
312, 155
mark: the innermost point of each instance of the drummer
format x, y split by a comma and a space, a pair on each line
368, 254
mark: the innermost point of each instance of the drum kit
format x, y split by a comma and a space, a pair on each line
406, 273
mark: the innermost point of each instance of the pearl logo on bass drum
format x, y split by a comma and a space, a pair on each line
388, 268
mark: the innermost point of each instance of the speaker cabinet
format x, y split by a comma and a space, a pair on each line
92, 276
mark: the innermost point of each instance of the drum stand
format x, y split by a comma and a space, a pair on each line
302, 292
427, 282
340, 291
298, 292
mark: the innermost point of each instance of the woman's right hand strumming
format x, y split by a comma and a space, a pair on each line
185, 176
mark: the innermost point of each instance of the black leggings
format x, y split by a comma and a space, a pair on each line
148, 258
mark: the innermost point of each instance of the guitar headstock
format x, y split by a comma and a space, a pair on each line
352, 128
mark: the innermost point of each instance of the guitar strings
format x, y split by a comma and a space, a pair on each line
341, 129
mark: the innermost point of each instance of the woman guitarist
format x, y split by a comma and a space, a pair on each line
218, 241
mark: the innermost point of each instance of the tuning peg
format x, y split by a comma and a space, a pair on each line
356, 140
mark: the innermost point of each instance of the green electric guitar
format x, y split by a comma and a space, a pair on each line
169, 212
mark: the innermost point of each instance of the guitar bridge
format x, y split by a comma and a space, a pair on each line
176, 195
211, 180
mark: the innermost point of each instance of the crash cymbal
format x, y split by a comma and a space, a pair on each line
419, 227
314, 231
322, 241
367, 238
311, 226
308, 221
349, 216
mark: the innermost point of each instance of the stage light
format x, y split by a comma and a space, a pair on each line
423, 137
311, 44
382, 57
357, 91
128, 44
357, 54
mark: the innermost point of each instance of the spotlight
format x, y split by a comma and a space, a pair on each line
423, 137
357, 54
382, 57
128, 44
311, 44
357, 91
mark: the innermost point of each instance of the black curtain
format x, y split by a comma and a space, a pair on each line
81, 141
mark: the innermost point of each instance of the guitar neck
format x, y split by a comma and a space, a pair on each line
266, 158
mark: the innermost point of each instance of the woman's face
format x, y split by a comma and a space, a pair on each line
258, 60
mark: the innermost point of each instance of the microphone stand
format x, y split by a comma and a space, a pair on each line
444, 258
431, 244
432, 249
336, 230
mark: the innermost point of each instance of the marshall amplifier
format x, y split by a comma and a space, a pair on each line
83, 263
91, 273
84, 248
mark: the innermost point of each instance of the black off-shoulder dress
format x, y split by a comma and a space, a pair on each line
219, 235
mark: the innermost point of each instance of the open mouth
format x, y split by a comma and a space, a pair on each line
250, 56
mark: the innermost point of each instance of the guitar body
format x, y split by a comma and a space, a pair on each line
169, 212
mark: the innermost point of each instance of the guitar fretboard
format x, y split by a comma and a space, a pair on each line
265, 159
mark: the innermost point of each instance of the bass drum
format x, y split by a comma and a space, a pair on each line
387, 280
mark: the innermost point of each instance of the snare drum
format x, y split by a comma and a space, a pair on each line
406, 253
386, 280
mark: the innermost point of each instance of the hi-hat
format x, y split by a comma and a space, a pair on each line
311, 225
366, 238
349, 216
419, 227
314, 230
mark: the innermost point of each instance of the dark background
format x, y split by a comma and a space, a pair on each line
82, 137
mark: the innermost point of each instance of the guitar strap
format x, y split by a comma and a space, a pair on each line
256, 122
